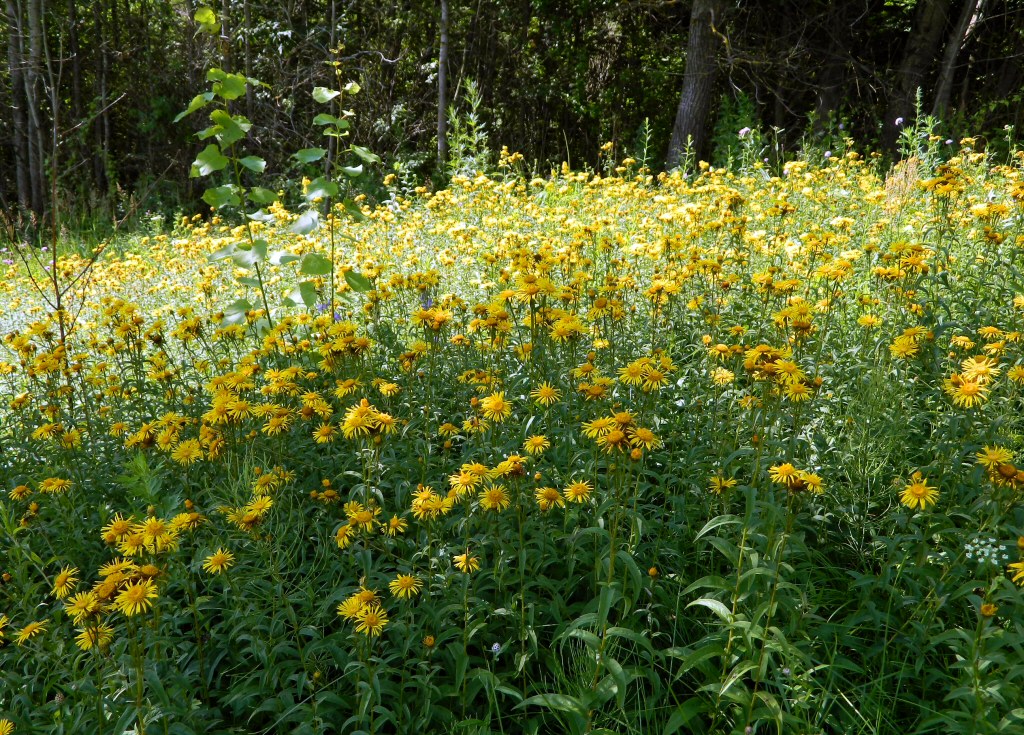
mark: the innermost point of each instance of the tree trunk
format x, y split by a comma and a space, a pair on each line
34, 104
699, 78
19, 115
76, 62
922, 45
247, 20
833, 72
101, 123
969, 17
225, 35
442, 89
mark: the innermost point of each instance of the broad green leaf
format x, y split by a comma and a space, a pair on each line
305, 223
247, 257
353, 210
308, 155
220, 196
324, 119
209, 160
235, 312
314, 264
232, 128
224, 252
305, 293
253, 163
358, 282
323, 94
352, 88
321, 188
230, 87
365, 154
282, 257
262, 196
248, 281
198, 102
207, 20
352, 171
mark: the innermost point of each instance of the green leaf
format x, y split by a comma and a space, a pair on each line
227, 86
353, 210
282, 257
323, 94
683, 715
305, 293
207, 20
314, 264
208, 161
229, 128
306, 223
224, 252
358, 282
352, 171
715, 606
248, 281
253, 163
556, 702
365, 154
247, 257
324, 119
220, 196
320, 188
308, 155
352, 88
198, 102
235, 312
262, 196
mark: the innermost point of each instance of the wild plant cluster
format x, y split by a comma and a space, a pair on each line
727, 453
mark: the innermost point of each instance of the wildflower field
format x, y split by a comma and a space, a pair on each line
724, 453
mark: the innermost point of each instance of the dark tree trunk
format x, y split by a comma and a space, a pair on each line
101, 122
921, 48
19, 115
833, 71
76, 62
699, 79
442, 89
969, 17
34, 106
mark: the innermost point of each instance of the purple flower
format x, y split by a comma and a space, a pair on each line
8, 261
899, 121
744, 132
828, 154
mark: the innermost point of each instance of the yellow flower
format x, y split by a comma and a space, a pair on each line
918, 494
991, 457
536, 444
219, 561
466, 563
82, 606
405, 586
1018, 572
395, 526
65, 582
6, 727
719, 483
371, 620
545, 394
343, 536
495, 408
99, 635
187, 452
29, 631
136, 597
494, 497
578, 491
548, 498
785, 474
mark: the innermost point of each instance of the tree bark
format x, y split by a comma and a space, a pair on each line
699, 79
19, 115
442, 89
969, 17
922, 45
34, 103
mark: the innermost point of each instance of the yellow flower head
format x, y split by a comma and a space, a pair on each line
918, 494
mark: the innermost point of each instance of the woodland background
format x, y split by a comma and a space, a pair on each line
90, 90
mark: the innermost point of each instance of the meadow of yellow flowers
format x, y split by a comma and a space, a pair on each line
727, 453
